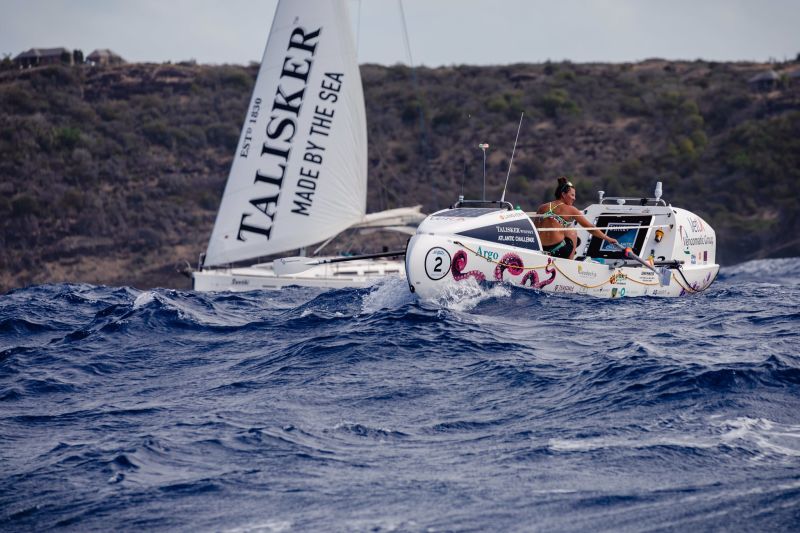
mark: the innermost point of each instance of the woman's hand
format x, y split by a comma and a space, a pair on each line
612, 240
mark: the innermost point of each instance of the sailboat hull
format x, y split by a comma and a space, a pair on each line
351, 274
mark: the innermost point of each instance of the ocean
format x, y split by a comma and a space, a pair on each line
495, 409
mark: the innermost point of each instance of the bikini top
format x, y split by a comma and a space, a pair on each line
550, 213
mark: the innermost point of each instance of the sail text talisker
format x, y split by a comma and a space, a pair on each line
282, 125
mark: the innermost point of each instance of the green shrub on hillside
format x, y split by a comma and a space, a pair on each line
556, 103
67, 137
508, 104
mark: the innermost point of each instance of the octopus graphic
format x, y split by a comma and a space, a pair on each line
512, 263
696, 286
459, 264
532, 277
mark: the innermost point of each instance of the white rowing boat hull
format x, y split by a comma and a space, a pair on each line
436, 266
501, 245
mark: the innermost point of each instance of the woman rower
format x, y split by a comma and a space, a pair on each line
558, 216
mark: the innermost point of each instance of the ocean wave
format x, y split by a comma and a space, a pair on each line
757, 439
784, 271
345, 409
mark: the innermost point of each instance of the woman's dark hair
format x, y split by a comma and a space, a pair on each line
564, 185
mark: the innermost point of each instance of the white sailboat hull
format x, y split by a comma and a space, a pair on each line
350, 274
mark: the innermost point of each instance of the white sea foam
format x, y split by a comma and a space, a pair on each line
272, 526
771, 438
143, 299
766, 436
467, 294
611, 442
389, 293
186, 311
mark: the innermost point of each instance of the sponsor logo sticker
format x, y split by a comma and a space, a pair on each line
510, 216
589, 274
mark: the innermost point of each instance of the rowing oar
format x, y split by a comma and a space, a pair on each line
663, 274
286, 266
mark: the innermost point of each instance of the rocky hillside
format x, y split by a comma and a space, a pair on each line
113, 175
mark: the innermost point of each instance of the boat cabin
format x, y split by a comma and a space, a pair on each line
651, 228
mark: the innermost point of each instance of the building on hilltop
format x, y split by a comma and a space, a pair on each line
793, 76
764, 81
104, 56
36, 57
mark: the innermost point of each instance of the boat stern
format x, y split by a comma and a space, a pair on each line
463, 243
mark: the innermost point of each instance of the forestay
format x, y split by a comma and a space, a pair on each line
299, 175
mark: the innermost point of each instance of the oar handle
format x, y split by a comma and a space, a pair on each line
663, 274
393, 253
628, 251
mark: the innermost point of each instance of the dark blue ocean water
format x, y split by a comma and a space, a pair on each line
364, 410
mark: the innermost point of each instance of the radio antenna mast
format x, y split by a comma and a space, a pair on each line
484, 146
503, 197
466, 164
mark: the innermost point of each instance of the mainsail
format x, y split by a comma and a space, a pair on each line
299, 175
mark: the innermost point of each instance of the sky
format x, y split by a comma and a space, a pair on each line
440, 32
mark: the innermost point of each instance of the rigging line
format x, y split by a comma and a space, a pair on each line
323, 245
474, 252
415, 83
358, 27
377, 147
503, 197
605, 228
405, 34
551, 262
578, 283
534, 214
688, 286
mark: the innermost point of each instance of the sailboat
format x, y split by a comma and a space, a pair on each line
299, 175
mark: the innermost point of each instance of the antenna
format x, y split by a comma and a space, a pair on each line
484, 146
464, 177
510, 161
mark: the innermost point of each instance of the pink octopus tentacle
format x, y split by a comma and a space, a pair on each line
550, 269
512, 263
532, 278
459, 264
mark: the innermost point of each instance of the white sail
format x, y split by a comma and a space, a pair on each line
299, 175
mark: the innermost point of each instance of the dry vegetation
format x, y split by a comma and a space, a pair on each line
113, 175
